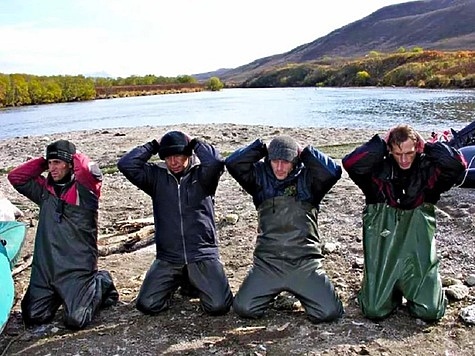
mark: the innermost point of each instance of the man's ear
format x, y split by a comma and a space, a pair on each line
420, 143
389, 148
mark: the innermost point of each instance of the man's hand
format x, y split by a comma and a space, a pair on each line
420, 143
155, 146
299, 150
191, 145
188, 137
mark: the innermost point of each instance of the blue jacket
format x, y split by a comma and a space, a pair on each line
183, 209
313, 176
288, 208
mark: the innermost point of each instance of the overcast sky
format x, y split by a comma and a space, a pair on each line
160, 37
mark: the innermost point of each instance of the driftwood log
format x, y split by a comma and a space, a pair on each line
24, 265
134, 235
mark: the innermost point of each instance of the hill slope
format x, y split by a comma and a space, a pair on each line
430, 24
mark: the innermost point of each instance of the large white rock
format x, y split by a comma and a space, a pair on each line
468, 314
8, 211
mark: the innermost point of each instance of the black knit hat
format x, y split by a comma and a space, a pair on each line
283, 147
62, 150
174, 143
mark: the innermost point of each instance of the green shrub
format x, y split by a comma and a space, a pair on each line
214, 84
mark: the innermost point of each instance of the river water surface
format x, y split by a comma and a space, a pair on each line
371, 108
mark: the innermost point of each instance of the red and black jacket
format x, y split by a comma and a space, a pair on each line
378, 175
66, 236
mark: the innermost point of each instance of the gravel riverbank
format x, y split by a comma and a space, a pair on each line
184, 329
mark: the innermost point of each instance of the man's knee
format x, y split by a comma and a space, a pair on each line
36, 319
216, 308
428, 313
149, 307
375, 312
245, 309
75, 324
76, 320
107, 291
377, 307
143, 306
34, 316
330, 313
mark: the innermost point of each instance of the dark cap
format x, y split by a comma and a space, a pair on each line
283, 147
174, 143
62, 150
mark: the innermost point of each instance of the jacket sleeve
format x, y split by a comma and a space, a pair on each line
241, 165
28, 180
449, 163
324, 171
212, 165
362, 162
87, 173
135, 168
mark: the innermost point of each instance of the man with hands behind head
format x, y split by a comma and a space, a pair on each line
64, 269
182, 189
402, 178
287, 185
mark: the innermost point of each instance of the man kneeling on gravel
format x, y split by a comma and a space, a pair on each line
402, 178
287, 185
64, 270
182, 190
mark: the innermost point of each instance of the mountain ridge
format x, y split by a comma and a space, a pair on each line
444, 25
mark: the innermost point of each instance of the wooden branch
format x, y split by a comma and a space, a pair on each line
121, 244
129, 242
136, 222
23, 266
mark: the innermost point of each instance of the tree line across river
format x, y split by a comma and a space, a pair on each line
417, 68
25, 89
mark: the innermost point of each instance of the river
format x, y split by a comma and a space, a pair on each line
370, 108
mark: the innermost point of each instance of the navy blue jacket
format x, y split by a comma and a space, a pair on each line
183, 209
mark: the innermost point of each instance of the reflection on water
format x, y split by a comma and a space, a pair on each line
372, 108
